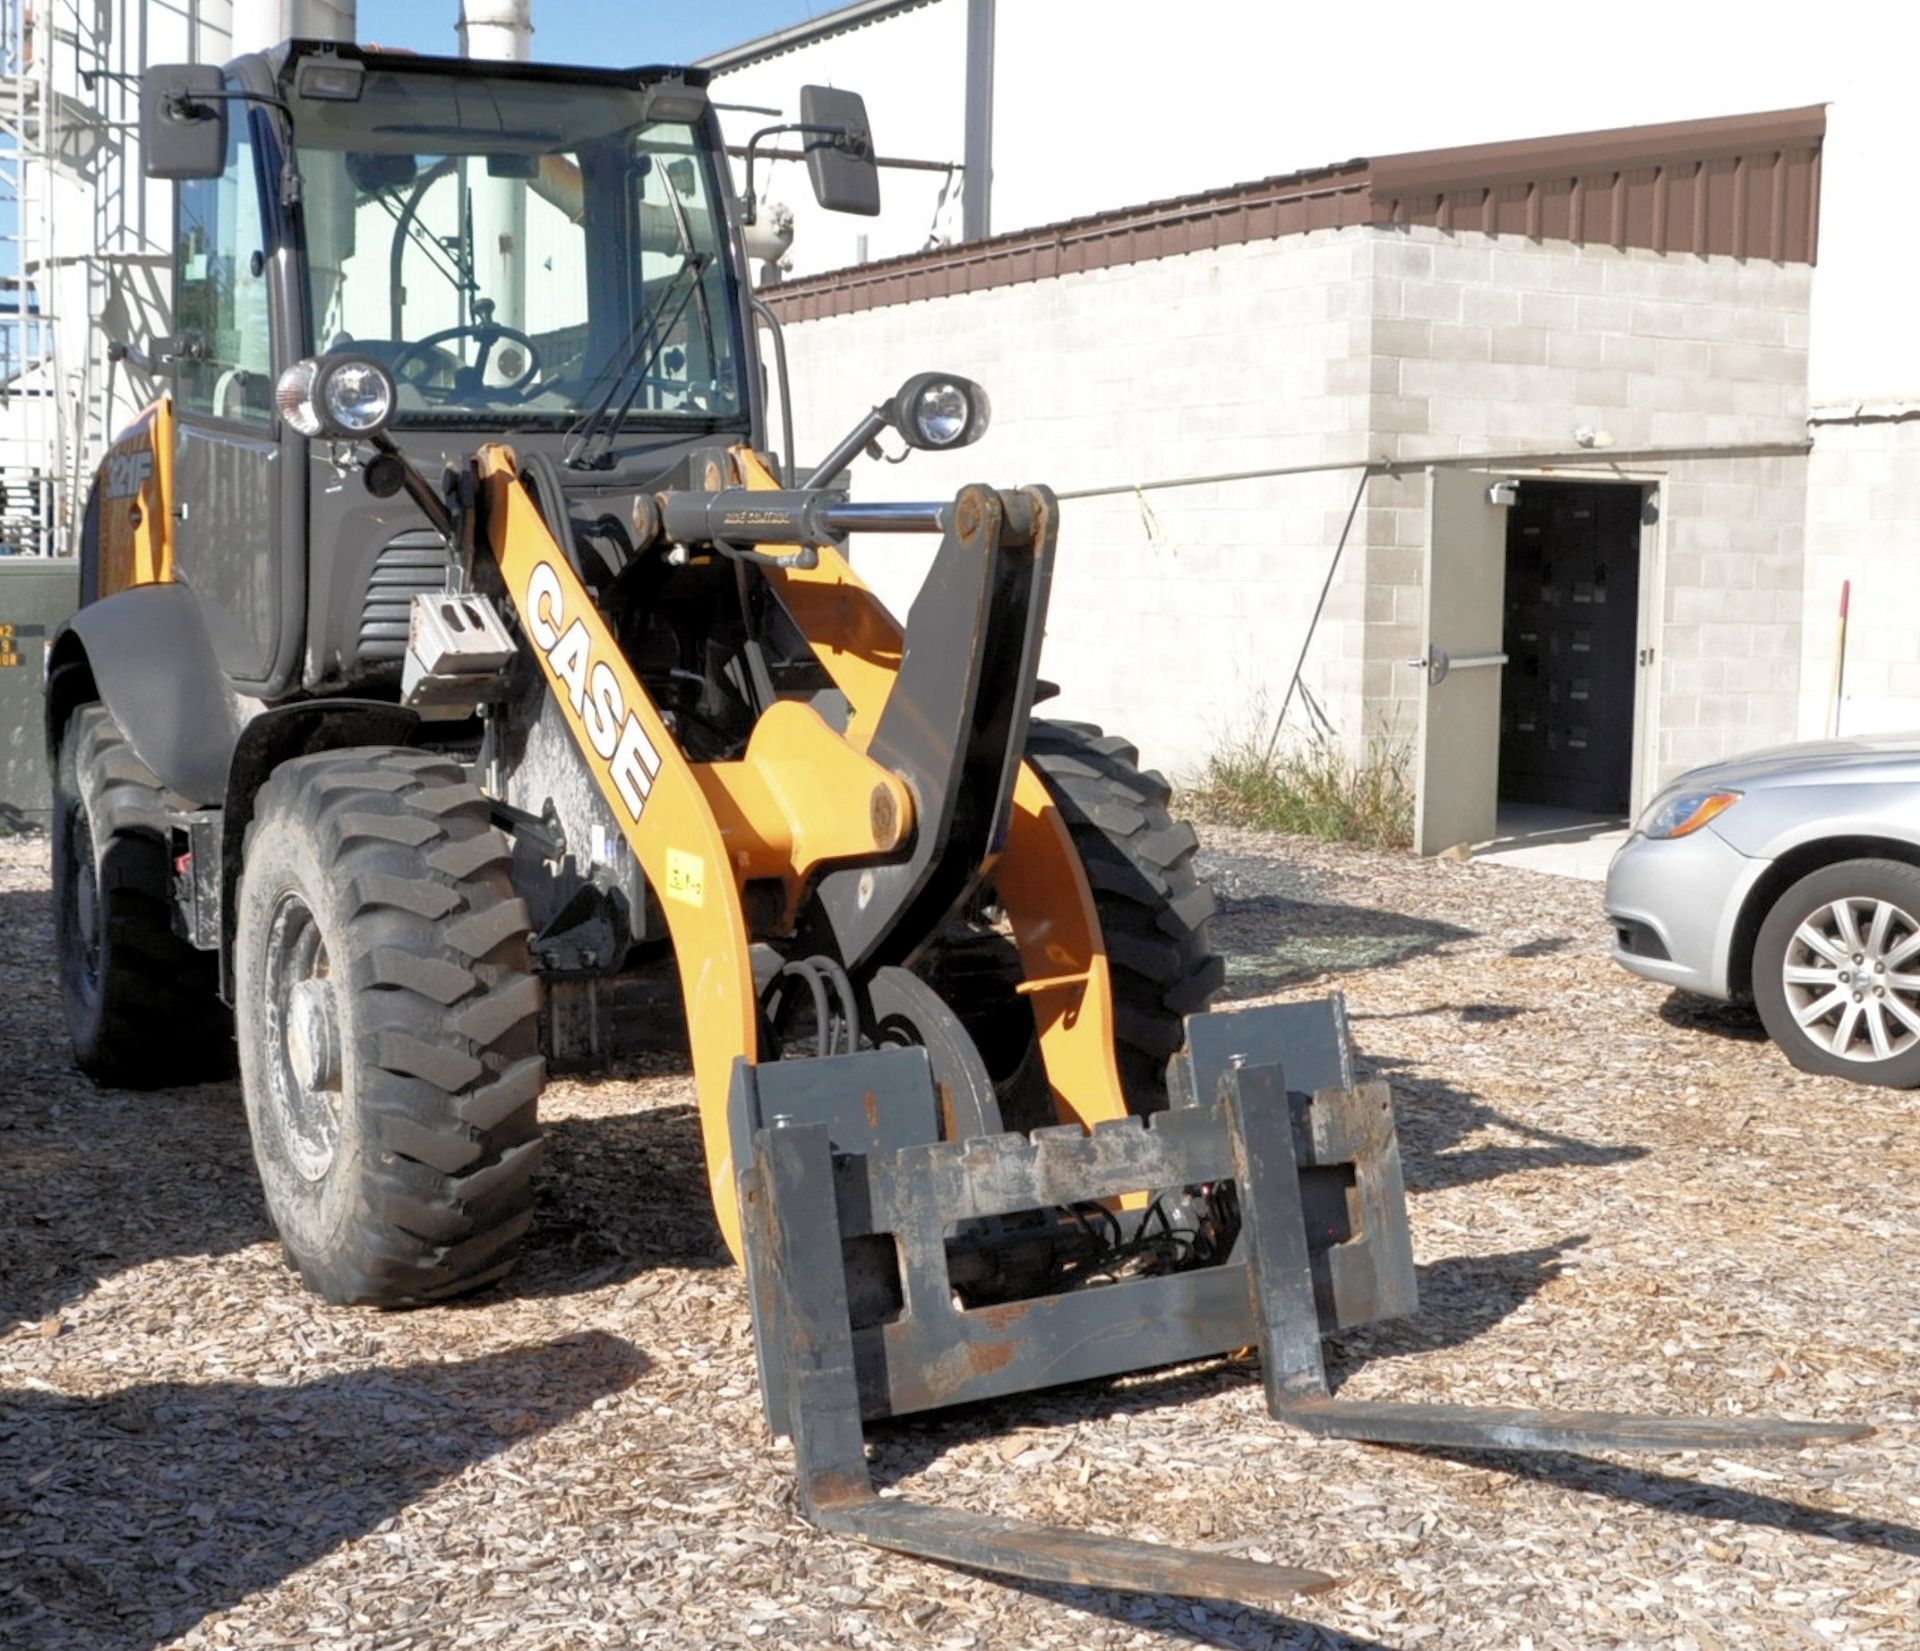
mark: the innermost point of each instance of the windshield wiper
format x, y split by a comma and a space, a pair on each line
590, 442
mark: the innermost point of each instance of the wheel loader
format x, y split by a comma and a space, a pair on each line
463, 681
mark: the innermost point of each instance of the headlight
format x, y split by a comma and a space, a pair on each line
343, 396
1685, 812
941, 410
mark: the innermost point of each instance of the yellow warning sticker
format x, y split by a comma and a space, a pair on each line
686, 877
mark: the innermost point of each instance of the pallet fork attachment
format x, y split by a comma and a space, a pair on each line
1322, 1246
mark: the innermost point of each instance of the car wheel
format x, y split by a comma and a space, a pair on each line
1836, 972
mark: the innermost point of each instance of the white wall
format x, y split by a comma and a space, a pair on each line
1177, 615
1173, 614
1863, 527
911, 70
1108, 103
1497, 344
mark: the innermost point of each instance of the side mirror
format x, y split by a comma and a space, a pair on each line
183, 121
840, 162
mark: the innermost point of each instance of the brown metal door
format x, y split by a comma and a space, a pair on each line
1457, 764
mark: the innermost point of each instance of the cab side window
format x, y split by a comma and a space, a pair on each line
225, 367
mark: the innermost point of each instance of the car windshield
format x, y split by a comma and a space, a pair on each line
510, 249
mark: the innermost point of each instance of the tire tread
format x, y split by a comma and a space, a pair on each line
1154, 910
434, 948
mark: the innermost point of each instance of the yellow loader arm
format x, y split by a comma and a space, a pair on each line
801, 797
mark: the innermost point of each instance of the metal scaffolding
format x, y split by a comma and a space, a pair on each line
30, 436
83, 241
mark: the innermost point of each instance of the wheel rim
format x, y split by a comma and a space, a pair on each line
302, 1039
83, 901
1852, 979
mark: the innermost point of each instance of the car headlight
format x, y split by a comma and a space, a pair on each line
1685, 812
941, 410
343, 396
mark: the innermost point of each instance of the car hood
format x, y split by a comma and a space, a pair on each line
1878, 759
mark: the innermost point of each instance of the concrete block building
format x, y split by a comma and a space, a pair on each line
1649, 346
1614, 325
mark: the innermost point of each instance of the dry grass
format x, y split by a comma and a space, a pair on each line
1311, 789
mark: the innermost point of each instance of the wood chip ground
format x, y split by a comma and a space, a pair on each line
1620, 1201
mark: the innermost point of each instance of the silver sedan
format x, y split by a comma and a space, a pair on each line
1790, 877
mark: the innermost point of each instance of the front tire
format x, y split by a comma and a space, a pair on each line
1836, 972
387, 1027
142, 1005
1154, 909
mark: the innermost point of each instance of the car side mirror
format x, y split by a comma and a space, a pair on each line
840, 161
183, 121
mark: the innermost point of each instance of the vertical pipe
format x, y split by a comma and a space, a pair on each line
1839, 662
976, 201
259, 25
501, 30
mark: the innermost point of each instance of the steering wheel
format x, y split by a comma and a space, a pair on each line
469, 379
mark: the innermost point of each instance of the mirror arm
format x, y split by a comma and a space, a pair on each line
850, 447
190, 106
423, 493
841, 139
133, 355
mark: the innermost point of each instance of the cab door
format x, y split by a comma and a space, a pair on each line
228, 466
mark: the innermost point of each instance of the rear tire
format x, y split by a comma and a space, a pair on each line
142, 1005
387, 1027
1820, 1005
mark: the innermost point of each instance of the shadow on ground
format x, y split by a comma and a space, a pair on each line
616, 1195
129, 1518
1461, 1298
1688, 1498
99, 1181
1272, 942
1432, 1118
1737, 1022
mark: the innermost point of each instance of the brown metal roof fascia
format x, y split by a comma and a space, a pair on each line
1330, 197
1746, 186
777, 44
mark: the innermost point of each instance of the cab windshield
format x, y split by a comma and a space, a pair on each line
519, 252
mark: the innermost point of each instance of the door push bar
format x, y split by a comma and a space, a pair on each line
1437, 662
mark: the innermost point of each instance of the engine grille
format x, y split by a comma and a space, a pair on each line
410, 563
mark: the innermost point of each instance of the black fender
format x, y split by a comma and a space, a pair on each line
278, 736
145, 654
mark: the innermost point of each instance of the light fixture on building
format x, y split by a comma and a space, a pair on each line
1584, 435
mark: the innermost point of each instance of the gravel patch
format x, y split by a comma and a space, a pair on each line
1619, 1201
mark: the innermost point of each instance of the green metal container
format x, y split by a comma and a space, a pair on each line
36, 594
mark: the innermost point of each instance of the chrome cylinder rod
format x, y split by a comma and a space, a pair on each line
888, 517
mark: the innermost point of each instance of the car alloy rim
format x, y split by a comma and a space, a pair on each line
1852, 979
